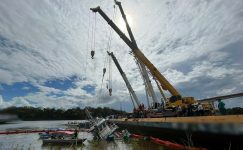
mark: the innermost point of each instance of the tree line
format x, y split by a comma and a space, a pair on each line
234, 111
32, 113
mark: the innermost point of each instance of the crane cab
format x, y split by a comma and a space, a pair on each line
180, 101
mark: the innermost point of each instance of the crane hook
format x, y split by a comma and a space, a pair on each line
110, 91
104, 71
92, 54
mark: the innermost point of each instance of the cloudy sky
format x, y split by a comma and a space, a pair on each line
45, 50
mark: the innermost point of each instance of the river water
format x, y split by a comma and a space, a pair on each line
31, 141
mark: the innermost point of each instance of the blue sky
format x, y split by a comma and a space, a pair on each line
45, 51
16, 90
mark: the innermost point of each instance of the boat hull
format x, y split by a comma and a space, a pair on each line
213, 132
63, 141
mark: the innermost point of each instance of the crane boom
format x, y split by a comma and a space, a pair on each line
145, 76
212, 99
147, 81
154, 71
134, 96
127, 25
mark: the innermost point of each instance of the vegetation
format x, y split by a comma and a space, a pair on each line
32, 113
235, 110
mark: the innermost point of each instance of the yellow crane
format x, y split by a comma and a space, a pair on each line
176, 98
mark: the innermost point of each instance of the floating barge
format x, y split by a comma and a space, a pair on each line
213, 132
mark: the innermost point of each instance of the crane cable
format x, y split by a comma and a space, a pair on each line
110, 30
109, 48
93, 37
104, 71
88, 46
109, 86
110, 77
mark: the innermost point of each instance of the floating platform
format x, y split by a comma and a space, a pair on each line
213, 132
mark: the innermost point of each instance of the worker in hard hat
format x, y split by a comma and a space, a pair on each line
221, 107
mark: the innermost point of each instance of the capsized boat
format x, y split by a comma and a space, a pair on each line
100, 127
84, 125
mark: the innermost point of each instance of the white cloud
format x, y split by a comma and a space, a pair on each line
26, 88
46, 89
3, 104
188, 41
226, 91
1, 99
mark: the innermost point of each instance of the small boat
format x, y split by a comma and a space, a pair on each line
50, 132
72, 125
84, 125
63, 141
44, 135
61, 137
